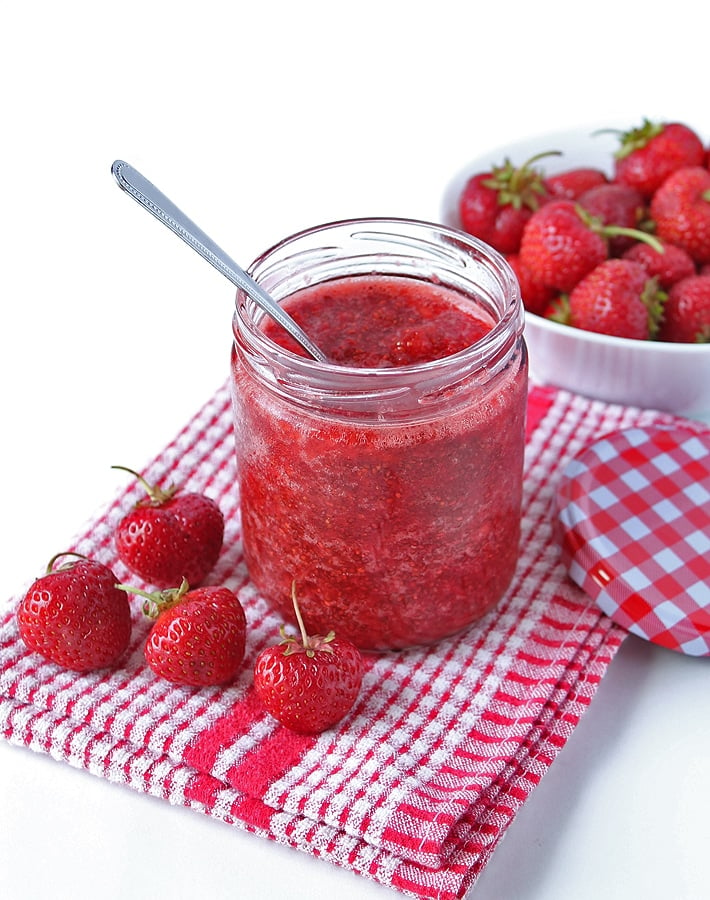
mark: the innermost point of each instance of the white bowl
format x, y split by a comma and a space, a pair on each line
649, 374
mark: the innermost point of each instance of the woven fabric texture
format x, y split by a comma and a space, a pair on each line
415, 788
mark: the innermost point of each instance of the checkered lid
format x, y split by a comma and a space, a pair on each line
633, 519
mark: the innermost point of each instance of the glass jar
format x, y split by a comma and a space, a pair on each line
389, 494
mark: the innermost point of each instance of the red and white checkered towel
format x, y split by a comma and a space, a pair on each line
418, 784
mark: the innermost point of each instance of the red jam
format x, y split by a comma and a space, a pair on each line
379, 322
397, 531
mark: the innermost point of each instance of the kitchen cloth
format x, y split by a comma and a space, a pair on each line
416, 787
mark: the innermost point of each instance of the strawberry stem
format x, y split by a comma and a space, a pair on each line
50, 564
596, 225
299, 618
156, 494
308, 645
157, 602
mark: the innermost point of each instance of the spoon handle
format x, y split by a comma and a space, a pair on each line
153, 200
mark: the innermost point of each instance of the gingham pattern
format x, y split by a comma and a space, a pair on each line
634, 511
416, 787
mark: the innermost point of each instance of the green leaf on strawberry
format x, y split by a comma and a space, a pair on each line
308, 683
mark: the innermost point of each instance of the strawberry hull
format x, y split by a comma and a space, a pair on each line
396, 509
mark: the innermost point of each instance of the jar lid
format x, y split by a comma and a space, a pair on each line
633, 521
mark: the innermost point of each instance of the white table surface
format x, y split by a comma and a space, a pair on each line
115, 333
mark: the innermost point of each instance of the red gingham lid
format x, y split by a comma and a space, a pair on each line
633, 515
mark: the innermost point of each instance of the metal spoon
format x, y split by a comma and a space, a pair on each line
150, 198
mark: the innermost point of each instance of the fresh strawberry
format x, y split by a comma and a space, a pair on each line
75, 616
686, 314
668, 266
170, 536
558, 247
616, 204
650, 153
535, 295
681, 211
199, 636
308, 683
617, 298
573, 183
494, 206
562, 243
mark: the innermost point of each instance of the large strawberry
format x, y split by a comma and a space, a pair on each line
686, 314
170, 536
494, 206
617, 298
562, 243
75, 616
559, 248
681, 211
308, 683
647, 155
199, 635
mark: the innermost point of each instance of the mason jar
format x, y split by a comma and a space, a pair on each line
385, 483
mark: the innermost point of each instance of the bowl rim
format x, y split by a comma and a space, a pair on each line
593, 337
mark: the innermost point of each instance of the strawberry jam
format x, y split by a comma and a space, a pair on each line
387, 482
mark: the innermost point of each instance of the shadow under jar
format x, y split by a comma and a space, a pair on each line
386, 483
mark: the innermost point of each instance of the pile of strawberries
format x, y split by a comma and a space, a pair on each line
626, 255
78, 616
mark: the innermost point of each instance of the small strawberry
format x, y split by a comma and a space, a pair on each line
617, 298
668, 266
573, 183
562, 243
170, 536
308, 683
75, 616
536, 295
686, 314
650, 153
616, 204
199, 636
494, 206
681, 211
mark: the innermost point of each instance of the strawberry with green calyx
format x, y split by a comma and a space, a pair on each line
681, 210
617, 298
199, 635
170, 535
494, 206
686, 314
74, 616
562, 243
648, 154
308, 683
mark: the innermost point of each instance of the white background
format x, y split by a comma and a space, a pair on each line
258, 121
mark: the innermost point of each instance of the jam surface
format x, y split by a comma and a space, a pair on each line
380, 322
396, 533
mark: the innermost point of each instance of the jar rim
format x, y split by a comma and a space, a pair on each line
509, 319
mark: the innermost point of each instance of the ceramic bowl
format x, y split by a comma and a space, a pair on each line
648, 374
